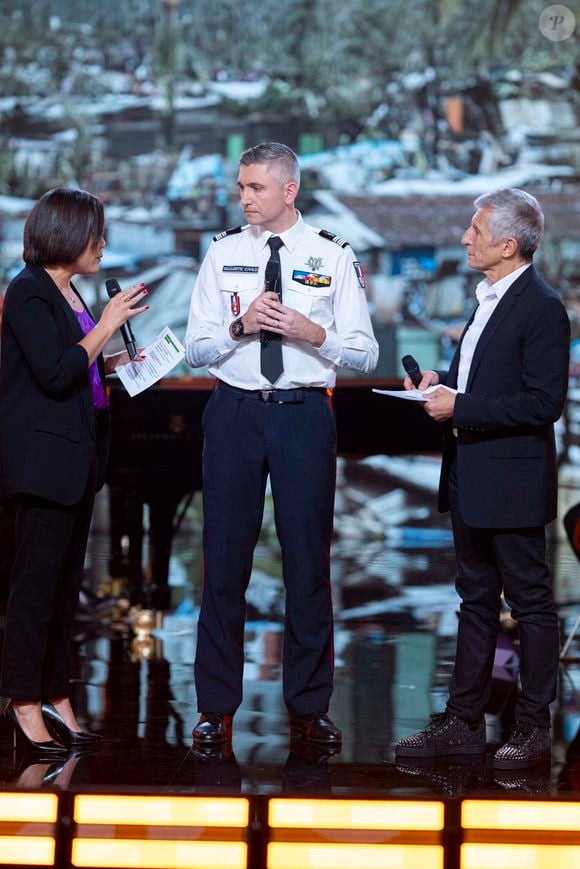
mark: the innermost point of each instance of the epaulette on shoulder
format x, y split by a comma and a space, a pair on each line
341, 242
227, 232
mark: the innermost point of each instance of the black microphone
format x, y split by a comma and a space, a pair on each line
271, 285
411, 366
272, 278
113, 288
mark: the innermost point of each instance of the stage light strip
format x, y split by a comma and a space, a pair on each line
520, 815
356, 814
162, 811
164, 854
291, 855
33, 808
27, 850
519, 856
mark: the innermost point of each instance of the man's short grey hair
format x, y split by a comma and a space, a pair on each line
274, 152
514, 214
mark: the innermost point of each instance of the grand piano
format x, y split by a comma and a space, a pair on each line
156, 451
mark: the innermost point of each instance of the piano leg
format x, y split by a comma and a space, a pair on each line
149, 587
126, 511
134, 514
161, 514
118, 564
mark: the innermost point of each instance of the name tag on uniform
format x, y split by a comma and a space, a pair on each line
243, 269
311, 279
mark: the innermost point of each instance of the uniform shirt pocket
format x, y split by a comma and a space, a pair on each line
237, 292
310, 301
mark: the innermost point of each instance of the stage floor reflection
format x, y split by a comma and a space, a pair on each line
396, 612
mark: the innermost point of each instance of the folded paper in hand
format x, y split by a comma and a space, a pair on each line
414, 394
161, 356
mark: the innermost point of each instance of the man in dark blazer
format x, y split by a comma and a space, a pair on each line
499, 479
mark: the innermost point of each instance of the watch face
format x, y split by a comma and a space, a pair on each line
237, 328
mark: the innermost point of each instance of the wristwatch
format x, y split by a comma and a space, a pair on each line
237, 329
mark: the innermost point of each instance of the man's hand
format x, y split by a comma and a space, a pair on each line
250, 318
429, 378
272, 315
441, 404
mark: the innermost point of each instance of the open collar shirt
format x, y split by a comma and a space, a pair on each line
488, 297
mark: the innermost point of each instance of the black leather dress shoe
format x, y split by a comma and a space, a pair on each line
213, 728
316, 727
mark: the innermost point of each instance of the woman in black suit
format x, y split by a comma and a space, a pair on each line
54, 429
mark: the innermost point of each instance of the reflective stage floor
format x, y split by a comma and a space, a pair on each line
396, 613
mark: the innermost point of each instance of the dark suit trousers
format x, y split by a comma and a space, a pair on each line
245, 440
51, 542
490, 560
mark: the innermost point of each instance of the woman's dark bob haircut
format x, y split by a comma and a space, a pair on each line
62, 224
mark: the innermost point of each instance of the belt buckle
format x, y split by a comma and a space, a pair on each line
266, 394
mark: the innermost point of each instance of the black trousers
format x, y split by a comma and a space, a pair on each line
51, 542
295, 442
490, 560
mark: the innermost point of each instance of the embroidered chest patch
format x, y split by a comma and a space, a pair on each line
243, 269
311, 279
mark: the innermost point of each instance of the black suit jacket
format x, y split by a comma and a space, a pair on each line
47, 419
505, 420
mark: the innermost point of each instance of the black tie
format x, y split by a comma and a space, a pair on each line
271, 364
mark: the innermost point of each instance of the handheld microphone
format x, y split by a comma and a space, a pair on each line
411, 366
271, 285
272, 278
113, 288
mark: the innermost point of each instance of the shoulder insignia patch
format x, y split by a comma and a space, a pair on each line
341, 242
360, 273
227, 232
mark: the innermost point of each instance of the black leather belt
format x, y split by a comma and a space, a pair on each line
279, 396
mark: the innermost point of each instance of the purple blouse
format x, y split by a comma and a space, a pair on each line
100, 398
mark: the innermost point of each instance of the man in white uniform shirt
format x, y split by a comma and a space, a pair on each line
499, 479
277, 308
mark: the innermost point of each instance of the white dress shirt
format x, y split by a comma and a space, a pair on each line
319, 279
488, 295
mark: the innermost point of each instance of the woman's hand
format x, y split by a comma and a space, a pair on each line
115, 313
120, 308
123, 358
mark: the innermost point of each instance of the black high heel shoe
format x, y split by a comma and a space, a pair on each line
58, 728
49, 749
